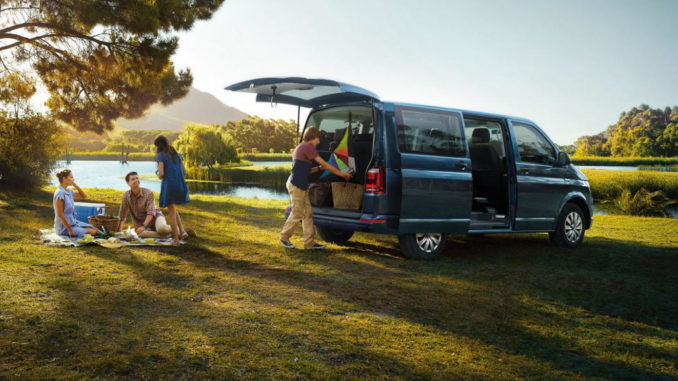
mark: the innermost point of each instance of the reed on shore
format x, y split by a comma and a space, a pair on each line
624, 161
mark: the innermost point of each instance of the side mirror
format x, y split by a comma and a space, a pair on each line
563, 159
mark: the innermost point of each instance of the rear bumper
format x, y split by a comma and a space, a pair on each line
355, 221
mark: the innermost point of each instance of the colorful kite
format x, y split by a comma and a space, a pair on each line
339, 156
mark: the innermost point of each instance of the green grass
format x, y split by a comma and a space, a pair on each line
266, 156
621, 161
234, 304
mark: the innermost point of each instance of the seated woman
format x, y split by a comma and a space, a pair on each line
64, 208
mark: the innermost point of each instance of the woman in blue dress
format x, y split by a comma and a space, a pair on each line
173, 189
65, 222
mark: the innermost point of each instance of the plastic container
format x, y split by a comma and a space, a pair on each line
86, 209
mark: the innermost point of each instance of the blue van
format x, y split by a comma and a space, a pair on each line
431, 171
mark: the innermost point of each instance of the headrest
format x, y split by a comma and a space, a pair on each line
339, 134
480, 135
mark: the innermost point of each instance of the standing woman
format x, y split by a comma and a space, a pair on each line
65, 222
173, 189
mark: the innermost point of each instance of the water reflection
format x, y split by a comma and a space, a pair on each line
111, 174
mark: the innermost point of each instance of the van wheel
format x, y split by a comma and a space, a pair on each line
570, 229
422, 245
337, 236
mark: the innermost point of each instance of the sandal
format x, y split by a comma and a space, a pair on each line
176, 242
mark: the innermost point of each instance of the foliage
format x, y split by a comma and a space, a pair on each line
642, 203
204, 146
641, 131
255, 134
99, 60
234, 304
568, 149
28, 149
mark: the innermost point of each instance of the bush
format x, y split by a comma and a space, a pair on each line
642, 203
29, 148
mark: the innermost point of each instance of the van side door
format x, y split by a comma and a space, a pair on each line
436, 171
540, 186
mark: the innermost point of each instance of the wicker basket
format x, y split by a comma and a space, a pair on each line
110, 223
347, 195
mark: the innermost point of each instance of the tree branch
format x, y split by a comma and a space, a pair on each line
24, 40
67, 32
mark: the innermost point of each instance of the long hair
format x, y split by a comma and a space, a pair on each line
163, 146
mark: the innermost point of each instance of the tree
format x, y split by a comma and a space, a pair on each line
262, 135
28, 149
204, 146
592, 145
99, 60
641, 131
28, 141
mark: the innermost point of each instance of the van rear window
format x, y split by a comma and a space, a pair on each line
430, 132
333, 123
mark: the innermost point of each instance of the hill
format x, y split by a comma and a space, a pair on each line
197, 106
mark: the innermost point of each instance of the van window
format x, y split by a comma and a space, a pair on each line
430, 132
496, 138
333, 122
533, 147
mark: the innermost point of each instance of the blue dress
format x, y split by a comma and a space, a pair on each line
173, 189
69, 212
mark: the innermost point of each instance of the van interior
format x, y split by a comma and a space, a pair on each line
333, 124
489, 163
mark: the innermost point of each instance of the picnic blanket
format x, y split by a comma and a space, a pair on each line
48, 237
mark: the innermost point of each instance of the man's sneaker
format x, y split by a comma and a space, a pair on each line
287, 244
317, 247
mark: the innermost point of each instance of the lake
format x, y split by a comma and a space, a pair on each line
111, 174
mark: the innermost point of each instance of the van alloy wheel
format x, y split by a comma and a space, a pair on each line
569, 228
428, 242
422, 245
573, 227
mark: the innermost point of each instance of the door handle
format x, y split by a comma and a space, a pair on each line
461, 165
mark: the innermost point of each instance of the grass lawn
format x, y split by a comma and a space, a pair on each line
235, 304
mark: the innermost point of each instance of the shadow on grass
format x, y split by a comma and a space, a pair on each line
489, 274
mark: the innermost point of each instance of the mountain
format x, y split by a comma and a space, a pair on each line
197, 106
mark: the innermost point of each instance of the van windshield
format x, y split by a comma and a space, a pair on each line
333, 123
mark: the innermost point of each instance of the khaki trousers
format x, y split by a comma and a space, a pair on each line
162, 229
301, 210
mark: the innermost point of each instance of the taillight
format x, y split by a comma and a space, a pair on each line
376, 181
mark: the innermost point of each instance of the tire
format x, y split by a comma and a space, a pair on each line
570, 228
337, 236
422, 245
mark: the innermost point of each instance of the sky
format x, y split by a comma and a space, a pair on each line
570, 66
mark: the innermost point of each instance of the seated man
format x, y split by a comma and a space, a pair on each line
149, 222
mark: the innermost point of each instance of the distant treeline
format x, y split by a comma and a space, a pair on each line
639, 132
249, 135
134, 156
